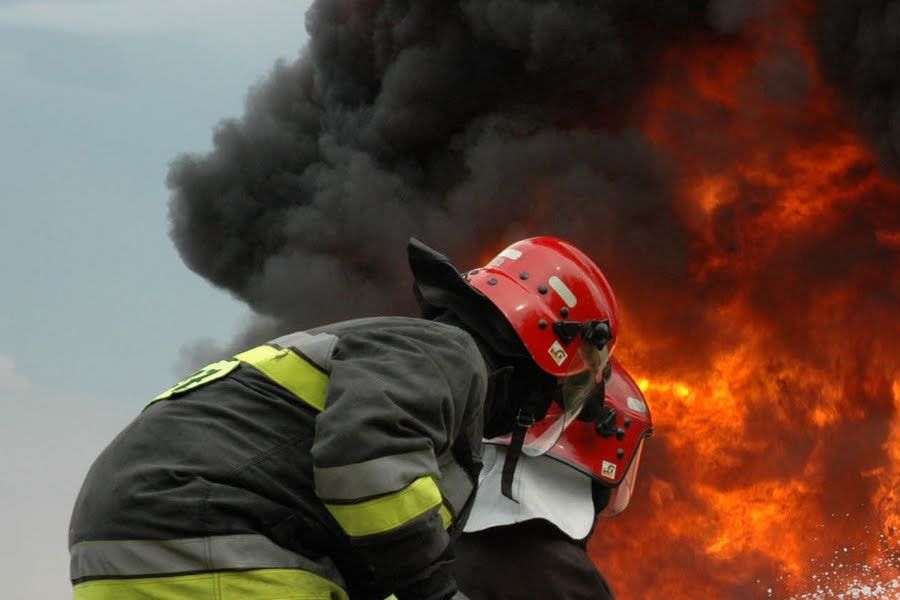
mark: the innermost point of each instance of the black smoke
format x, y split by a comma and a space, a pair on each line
467, 123
859, 43
473, 123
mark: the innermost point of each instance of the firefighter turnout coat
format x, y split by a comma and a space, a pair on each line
324, 464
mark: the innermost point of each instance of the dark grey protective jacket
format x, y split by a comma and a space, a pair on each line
350, 450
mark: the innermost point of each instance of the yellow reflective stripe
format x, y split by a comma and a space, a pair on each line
259, 584
290, 372
387, 512
446, 517
203, 376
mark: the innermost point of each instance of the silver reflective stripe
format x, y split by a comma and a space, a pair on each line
317, 348
455, 485
374, 477
109, 558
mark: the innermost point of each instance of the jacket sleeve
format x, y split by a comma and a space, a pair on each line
403, 401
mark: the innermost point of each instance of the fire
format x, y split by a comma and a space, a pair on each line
782, 449
721, 182
887, 498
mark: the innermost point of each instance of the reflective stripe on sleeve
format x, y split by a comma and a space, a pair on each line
446, 517
247, 585
290, 372
130, 558
374, 477
388, 512
317, 348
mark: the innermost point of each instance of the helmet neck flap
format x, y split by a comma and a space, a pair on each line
514, 379
439, 289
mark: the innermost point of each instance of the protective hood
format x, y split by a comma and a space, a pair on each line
440, 288
514, 380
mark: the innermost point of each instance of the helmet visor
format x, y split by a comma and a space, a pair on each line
574, 393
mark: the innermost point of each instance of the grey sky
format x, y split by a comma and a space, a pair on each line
95, 98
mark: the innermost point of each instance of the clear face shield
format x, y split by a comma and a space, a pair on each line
574, 393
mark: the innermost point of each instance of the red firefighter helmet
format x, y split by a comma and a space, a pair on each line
564, 311
609, 448
553, 295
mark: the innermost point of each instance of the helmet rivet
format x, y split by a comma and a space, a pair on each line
620, 453
473, 272
627, 422
542, 289
523, 275
563, 311
492, 281
542, 324
620, 433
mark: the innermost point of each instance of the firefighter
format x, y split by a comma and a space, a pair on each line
510, 545
339, 462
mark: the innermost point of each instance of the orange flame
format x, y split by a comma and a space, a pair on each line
765, 464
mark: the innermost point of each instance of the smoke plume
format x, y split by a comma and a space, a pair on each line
467, 124
728, 165
860, 46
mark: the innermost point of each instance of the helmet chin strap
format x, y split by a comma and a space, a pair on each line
524, 420
534, 407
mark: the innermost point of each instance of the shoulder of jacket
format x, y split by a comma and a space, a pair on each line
408, 326
433, 337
